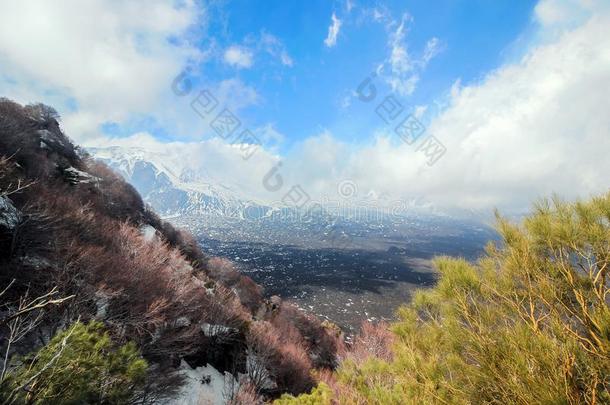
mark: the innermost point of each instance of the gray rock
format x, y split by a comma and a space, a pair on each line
9, 215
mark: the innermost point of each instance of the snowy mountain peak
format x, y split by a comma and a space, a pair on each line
170, 186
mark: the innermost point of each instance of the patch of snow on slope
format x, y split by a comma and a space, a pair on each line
199, 390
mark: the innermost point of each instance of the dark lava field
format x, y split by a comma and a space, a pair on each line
367, 279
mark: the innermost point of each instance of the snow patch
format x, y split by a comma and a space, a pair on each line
213, 330
49, 137
102, 301
204, 385
148, 232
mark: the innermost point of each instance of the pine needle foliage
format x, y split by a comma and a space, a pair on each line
80, 365
529, 323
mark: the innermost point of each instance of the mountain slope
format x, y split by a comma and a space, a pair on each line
78, 246
176, 189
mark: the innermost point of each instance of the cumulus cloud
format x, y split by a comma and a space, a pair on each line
528, 129
534, 126
238, 56
333, 31
96, 61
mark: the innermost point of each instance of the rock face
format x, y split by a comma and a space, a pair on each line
9, 215
75, 176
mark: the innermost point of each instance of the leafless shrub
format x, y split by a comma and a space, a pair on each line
10, 182
374, 340
321, 340
222, 270
284, 362
115, 197
13, 120
246, 395
20, 319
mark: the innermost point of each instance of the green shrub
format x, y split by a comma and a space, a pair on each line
527, 324
320, 395
79, 365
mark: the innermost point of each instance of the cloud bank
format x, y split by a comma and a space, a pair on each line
96, 61
534, 126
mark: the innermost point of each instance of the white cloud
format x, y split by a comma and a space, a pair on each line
265, 44
333, 31
552, 12
179, 119
403, 70
221, 164
235, 94
433, 48
286, 59
528, 129
269, 136
274, 47
238, 56
109, 59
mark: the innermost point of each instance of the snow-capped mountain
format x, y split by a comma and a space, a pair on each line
174, 189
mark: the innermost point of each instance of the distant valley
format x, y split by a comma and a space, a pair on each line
343, 269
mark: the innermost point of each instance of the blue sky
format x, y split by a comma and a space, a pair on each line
315, 92
514, 91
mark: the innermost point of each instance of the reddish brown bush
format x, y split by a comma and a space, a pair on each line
246, 395
284, 362
322, 341
222, 270
113, 195
80, 233
374, 340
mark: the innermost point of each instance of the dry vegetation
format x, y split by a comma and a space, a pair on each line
72, 249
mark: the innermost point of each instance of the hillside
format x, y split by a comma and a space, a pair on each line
102, 301
529, 323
